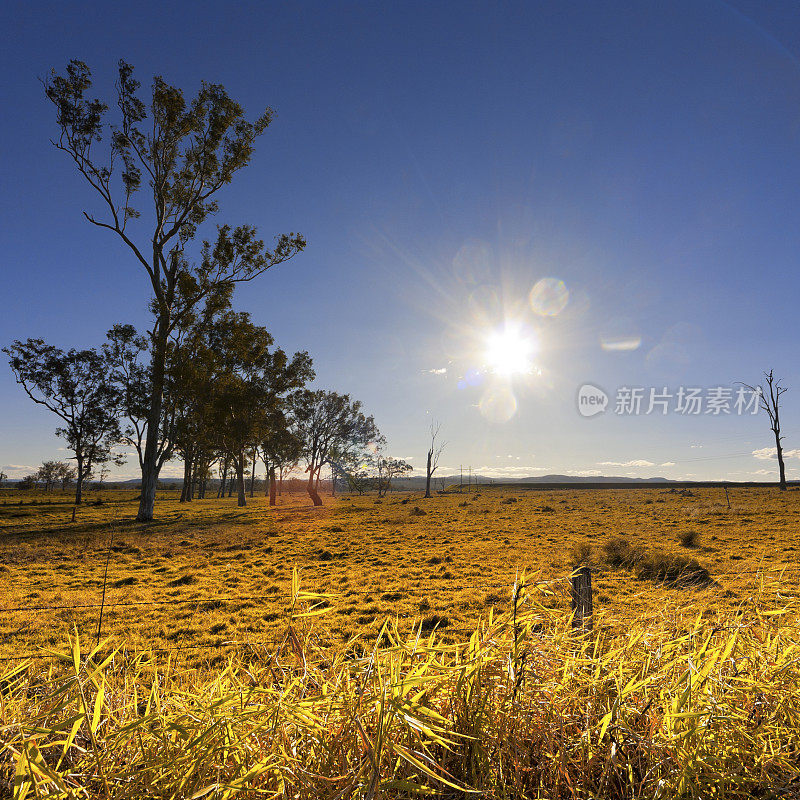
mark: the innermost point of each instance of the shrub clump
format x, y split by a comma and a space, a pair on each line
619, 552
673, 570
689, 538
582, 555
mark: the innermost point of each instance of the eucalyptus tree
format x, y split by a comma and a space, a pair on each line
191, 370
48, 474
329, 424
73, 385
249, 388
355, 467
389, 468
67, 474
281, 451
128, 355
184, 152
55, 473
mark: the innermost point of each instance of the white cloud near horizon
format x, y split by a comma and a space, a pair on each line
17, 470
637, 462
767, 453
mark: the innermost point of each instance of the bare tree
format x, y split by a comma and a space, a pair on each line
434, 451
770, 401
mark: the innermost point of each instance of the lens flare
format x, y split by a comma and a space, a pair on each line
620, 343
620, 334
549, 297
498, 404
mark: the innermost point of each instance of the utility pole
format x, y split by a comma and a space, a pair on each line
461, 482
469, 480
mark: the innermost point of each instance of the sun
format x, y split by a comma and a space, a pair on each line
510, 351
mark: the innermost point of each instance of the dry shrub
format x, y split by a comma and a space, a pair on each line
619, 552
673, 570
582, 554
689, 538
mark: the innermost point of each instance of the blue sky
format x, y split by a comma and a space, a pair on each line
442, 159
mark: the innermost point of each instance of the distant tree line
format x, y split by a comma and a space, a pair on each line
233, 402
51, 475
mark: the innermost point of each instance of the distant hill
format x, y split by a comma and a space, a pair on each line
418, 482
585, 479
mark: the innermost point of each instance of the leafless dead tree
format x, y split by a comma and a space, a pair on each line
770, 400
434, 451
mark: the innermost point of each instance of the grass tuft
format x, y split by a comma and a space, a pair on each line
689, 538
672, 570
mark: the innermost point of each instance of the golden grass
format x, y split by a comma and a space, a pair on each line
683, 709
216, 573
414, 679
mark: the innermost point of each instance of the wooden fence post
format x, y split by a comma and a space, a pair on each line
581, 585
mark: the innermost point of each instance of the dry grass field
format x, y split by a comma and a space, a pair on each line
209, 573
688, 686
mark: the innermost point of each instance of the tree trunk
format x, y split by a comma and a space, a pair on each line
253, 474
147, 499
242, 501
192, 477
428, 475
781, 467
310, 488
280, 482
272, 486
186, 494
79, 483
226, 472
